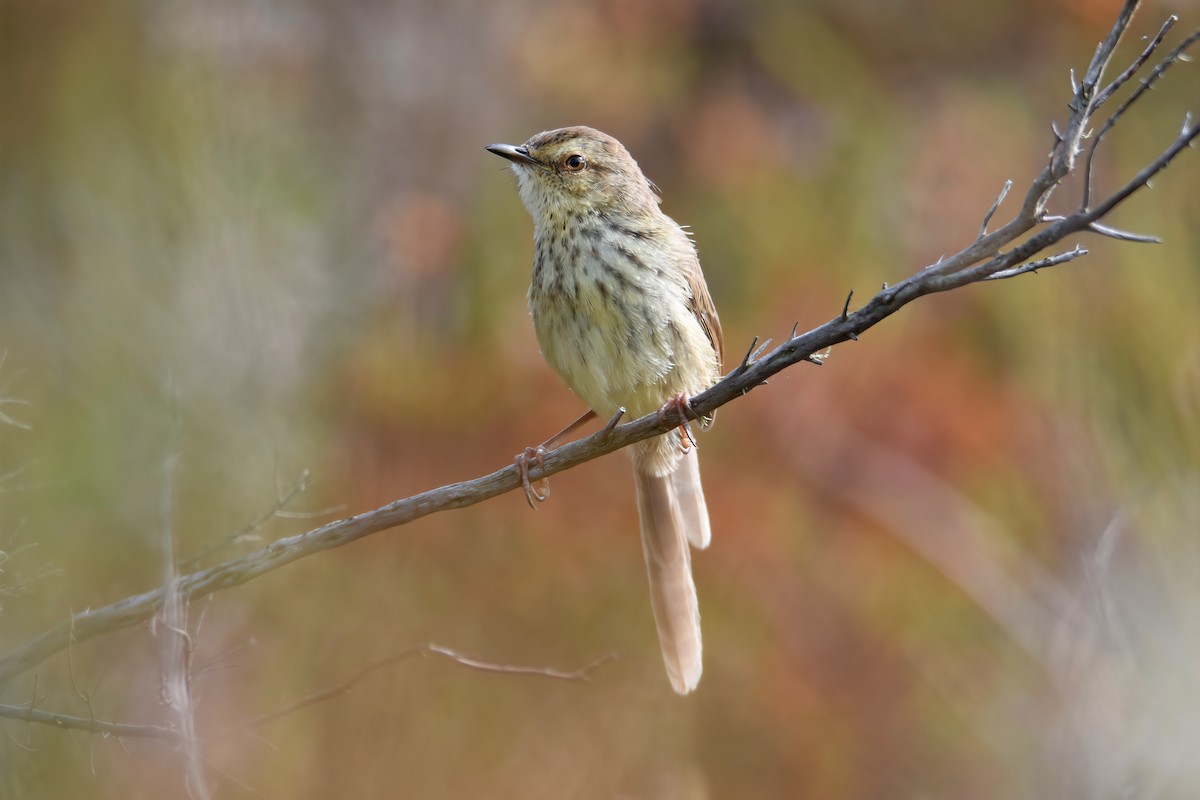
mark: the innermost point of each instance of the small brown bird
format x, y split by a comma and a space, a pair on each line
622, 313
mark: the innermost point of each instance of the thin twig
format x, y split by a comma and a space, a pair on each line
1146, 85
991, 212
276, 511
89, 724
1137, 64
1034, 266
1124, 236
581, 674
977, 262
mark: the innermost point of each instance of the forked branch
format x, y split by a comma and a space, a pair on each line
984, 259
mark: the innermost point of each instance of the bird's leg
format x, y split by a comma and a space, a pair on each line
680, 406
553, 441
537, 455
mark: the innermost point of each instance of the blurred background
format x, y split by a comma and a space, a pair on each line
257, 273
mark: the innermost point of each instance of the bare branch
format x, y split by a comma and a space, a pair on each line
89, 724
1034, 266
1146, 85
1186, 137
979, 261
1106, 48
1137, 64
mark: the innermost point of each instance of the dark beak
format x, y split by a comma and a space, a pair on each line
518, 154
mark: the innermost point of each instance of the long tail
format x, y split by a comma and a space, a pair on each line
666, 514
690, 495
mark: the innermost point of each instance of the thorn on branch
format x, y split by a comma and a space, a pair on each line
1008, 184
753, 353
746, 358
1137, 64
795, 327
949, 273
846, 306
1124, 236
607, 430
1146, 85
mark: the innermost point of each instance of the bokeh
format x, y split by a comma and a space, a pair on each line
257, 272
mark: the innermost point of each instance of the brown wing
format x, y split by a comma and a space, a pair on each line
705, 311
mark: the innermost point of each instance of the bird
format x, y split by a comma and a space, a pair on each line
622, 313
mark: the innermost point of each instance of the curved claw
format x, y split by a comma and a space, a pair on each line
681, 407
686, 443
521, 462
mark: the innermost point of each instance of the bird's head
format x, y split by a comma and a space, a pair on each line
577, 170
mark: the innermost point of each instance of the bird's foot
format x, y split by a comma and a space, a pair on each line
536, 455
680, 408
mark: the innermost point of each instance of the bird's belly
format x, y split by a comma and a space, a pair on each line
613, 347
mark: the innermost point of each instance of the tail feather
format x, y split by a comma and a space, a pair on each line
665, 537
690, 495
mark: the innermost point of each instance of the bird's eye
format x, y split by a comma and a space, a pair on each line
575, 163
